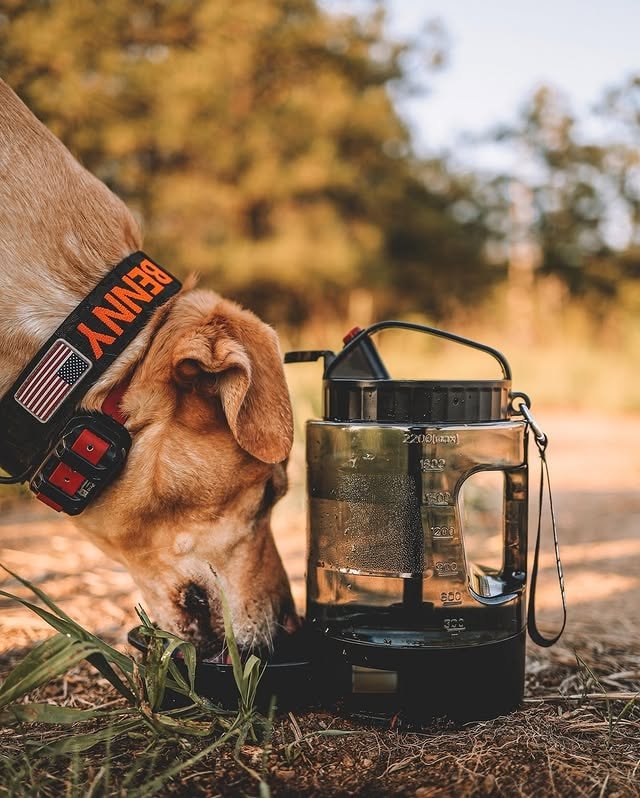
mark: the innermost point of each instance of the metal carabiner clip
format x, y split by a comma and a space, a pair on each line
541, 438
524, 409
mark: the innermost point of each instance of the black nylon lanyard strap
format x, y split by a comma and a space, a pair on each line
535, 634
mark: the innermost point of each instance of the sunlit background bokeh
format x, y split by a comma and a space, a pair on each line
474, 166
332, 163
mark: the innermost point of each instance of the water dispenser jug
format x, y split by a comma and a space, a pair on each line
403, 619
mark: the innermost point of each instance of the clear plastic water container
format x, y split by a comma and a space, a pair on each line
405, 615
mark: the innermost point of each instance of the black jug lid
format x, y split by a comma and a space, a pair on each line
416, 401
358, 388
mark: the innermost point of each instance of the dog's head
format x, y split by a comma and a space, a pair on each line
207, 405
211, 423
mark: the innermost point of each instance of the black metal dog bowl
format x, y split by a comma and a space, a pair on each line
287, 676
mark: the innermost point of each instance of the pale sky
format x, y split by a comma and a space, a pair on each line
501, 50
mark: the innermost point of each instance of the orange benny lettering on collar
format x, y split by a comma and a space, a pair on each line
123, 303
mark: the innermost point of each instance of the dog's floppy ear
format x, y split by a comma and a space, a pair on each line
236, 357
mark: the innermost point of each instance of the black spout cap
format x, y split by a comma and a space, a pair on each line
310, 356
359, 359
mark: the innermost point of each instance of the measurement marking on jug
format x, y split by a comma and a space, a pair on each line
429, 437
443, 568
451, 598
432, 464
438, 497
443, 531
454, 624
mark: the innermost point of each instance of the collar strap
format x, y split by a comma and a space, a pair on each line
112, 403
43, 398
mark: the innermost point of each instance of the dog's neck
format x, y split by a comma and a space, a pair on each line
61, 230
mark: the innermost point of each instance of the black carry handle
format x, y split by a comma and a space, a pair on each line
408, 325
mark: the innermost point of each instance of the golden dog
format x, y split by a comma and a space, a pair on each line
207, 403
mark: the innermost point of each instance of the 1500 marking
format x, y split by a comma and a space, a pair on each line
432, 463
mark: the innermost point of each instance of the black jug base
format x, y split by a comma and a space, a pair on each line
463, 684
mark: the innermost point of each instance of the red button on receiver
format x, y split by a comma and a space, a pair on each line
66, 479
89, 446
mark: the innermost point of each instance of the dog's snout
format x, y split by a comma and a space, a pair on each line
199, 618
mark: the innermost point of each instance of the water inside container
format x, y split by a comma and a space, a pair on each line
388, 560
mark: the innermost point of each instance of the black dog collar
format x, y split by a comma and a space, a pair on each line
43, 399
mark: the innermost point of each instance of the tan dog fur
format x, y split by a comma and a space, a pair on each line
207, 405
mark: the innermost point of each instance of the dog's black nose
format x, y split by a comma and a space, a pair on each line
195, 601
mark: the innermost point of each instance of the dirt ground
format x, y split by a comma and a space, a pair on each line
595, 471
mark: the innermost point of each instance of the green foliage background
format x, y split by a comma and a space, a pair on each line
259, 144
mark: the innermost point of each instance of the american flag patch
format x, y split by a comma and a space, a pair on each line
52, 380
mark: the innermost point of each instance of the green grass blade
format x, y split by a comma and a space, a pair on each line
189, 654
46, 671
103, 651
40, 594
83, 742
232, 646
159, 673
41, 653
68, 626
50, 713
173, 644
190, 727
251, 676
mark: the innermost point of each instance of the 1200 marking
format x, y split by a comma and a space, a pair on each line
443, 531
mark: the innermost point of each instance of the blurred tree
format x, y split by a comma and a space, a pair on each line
620, 108
585, 196
258, 143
